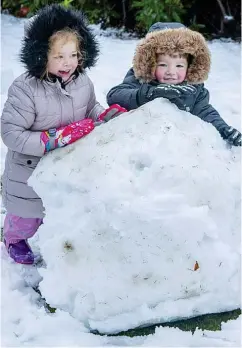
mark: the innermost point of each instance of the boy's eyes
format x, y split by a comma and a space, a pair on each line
177, 65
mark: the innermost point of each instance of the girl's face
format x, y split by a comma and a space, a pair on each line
171, 69
63, 59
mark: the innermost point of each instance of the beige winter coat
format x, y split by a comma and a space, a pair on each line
34, 106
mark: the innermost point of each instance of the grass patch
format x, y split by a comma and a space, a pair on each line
46, 305
211, 322
204, 322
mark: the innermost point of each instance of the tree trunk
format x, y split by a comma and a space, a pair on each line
124, 12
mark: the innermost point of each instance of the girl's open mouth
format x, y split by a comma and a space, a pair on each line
64, 73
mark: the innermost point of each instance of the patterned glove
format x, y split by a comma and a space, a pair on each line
54, 138
113, 111
231, 135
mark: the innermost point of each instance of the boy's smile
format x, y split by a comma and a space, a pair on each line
171, 69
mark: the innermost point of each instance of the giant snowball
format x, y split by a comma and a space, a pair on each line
142, 221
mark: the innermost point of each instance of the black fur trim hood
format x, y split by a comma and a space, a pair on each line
41, 27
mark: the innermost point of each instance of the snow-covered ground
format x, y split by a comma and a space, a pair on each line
140, 201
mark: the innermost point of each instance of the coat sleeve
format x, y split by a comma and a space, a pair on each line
206, 111
126, 94
94, 109
17, 119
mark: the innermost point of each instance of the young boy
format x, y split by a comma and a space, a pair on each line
172, 62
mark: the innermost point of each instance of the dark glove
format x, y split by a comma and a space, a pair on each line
231, 135
171, 92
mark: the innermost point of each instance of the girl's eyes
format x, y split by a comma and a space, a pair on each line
61, 57
180, 66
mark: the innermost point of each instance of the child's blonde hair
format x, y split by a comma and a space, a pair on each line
66, 35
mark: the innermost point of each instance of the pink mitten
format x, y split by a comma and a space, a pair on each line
113, 111
66, 135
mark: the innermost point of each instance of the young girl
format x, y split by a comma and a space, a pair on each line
172, 62
52, 105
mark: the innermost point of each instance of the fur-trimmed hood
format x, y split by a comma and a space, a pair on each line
168, 41
42, 26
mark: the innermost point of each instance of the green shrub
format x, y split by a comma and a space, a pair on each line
139, 15
11, 5
35, 5
97, 11
151, 11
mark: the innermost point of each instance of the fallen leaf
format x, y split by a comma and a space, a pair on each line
196, 266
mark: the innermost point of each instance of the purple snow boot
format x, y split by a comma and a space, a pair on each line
21, 252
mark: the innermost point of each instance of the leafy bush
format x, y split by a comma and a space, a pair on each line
139, 15
15, 6
96, 10
151, 11
11, 5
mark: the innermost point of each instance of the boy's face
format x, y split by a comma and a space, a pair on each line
171, 69
62, 59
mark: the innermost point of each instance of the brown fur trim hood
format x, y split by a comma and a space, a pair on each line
169, 41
